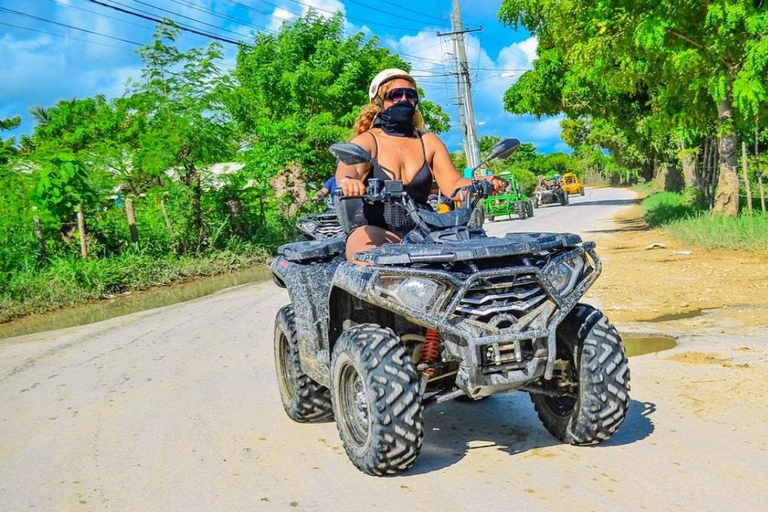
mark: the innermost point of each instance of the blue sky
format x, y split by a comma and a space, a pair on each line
60, 49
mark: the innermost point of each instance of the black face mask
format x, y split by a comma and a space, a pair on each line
397, 120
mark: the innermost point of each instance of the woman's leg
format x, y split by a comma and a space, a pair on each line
366, 238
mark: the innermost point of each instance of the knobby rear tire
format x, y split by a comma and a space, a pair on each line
594, 346
376, 400
304, 400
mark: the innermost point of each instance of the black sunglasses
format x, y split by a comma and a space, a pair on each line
402, 92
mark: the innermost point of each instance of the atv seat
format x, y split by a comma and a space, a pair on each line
301, 252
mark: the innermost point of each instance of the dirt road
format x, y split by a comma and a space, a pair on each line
177, 409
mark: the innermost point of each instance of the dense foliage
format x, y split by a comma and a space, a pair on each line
661, 84
111, 194
155, 158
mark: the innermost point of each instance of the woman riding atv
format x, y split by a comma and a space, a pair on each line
391, 129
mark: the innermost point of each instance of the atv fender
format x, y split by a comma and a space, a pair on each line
309, 284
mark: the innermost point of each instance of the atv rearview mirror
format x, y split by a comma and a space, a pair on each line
503, 149
351, 154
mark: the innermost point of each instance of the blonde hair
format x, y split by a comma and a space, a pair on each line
364, 121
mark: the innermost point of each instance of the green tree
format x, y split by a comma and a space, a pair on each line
177, 114
8, 147
660, 69
301, 90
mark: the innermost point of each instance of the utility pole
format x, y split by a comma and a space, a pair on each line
470, 133
460, 104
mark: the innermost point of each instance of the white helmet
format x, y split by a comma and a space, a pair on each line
384, 76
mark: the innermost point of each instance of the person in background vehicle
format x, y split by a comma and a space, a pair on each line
329, 189
391, 128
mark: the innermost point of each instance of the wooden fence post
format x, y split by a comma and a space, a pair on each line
131, 221
757, 166
40, 239
81, 228
746, 174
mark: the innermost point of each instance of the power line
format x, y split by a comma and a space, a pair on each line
121, 20
69, 26
165, 22
186, 17
401, 8
367, 22
63, 35
383, 11
60, 2
221, 16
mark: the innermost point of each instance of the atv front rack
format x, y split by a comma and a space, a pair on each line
480, 248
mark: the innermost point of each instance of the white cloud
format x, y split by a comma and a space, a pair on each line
323, 6
278, 17
42, 69
433, 66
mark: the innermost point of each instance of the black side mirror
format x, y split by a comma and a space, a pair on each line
351, 154
503, 149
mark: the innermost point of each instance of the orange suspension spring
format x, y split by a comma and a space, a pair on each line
430, 351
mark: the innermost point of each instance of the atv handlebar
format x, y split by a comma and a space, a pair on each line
378, 190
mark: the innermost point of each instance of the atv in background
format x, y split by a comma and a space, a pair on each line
513, 201
319, 225
549, 192
446, 313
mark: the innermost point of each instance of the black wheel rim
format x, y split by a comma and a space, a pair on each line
355, 409
564, 405
285, 362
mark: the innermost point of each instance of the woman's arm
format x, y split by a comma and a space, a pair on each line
349, 178
448, 178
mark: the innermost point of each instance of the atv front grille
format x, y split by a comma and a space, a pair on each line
501, 301
328, 229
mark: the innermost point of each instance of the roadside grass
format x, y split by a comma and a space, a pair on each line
71, 281
678, 215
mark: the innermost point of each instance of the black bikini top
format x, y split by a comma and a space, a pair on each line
419, 187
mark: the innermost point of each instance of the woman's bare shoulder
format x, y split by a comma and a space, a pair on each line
432, 141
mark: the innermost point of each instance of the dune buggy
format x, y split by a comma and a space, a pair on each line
514, 201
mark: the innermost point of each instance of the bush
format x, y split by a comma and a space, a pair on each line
746, 232
682, 219
664, 207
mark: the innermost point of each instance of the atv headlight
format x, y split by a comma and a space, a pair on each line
415, 293
564, 275
308, 226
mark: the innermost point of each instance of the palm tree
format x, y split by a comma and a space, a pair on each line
41, 114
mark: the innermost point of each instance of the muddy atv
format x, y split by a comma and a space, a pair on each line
449, 312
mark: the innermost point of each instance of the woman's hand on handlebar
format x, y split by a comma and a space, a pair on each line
352, 186
499, 184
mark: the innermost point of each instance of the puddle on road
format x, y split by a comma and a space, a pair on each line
644, 344
676, 316
138, 301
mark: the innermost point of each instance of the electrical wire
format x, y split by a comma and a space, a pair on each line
64, 36
173, 13
65, 4
383, 11
401, 8
367, 22
222, 16
165, 22
68, 26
